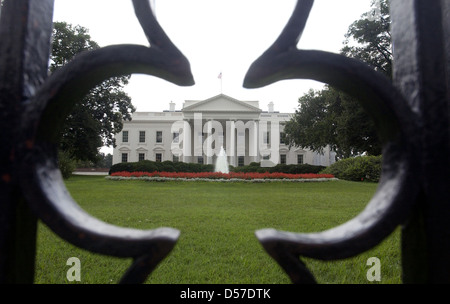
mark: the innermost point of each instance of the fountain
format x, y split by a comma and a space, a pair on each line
222, 162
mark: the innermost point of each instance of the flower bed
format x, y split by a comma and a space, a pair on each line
217, 176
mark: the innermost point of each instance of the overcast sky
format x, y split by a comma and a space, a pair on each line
216, 36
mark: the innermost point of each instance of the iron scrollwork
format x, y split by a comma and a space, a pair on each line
33, 108
41, 122
393, 201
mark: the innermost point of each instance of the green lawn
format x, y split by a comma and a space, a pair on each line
217, 223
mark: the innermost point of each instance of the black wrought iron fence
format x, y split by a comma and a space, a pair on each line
411, 116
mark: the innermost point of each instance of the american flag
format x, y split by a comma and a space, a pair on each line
220, 75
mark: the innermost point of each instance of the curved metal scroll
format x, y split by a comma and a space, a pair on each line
42, 121
392, 202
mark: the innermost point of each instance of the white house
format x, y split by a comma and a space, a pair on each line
197, 132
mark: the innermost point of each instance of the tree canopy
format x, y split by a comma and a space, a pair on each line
372, 38
330, 117
95, 119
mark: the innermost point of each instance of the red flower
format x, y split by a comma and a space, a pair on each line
219, 175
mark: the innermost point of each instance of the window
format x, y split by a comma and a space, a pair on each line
176, 158
200, 160
241, 161
300, 159
124, 157
141, 136
266, 157
158, 157
283, 159
176, 137
159, 136
141, 156
125, 136
282, 138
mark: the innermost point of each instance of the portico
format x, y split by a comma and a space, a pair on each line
222, 121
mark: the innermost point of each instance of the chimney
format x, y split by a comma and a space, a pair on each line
172, 106
271, 107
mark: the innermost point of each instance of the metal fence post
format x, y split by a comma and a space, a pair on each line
25, 31
421, 35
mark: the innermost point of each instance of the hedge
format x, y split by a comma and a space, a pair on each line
166, 166
362, 168
289, 169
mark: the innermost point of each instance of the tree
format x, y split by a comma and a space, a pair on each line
312, 122
94, 121
331, 117
104, 161
373, 38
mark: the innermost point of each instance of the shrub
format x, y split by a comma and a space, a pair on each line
144, 165
362, 168
121, 167
66, 164
166, 166
289, 169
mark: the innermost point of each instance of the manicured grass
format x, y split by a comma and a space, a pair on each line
217, 223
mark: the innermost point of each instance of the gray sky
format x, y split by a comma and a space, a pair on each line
216, 36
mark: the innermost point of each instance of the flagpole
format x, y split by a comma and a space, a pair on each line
220, 77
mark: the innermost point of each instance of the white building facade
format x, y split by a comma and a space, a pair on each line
198, 131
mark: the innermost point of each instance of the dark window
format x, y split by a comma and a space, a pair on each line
158, 157
141, 136
282, 137
125, 136
300, 159
176, 158
241, 161
124, 157
283, 159
159, 136
141, 156
200, 160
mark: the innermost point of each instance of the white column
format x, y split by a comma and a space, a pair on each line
231, 142
253, 150
187, 143
198, 131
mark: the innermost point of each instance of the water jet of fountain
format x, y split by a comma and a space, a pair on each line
222, 162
